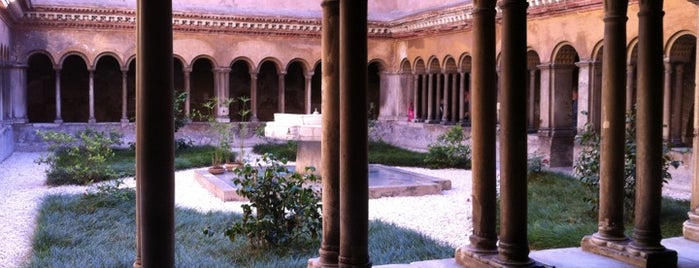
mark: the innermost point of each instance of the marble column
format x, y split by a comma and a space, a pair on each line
307, 93
91, 93
667, 98
425, 98
484, 238
416, 97
455, 100
691, 226
513, 246
645, 246
188, 90
330, 141
253, 97
282, 92
59, 118
438, 99
676, 111
610, 229
354, 172
155, 133
461, 119
445, 98
221, 92
430, 98
124, 96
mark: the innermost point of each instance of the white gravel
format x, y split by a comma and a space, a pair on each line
446, 217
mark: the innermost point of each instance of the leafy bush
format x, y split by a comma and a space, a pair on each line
450, 150
80, 158
587, 168
285, 150
283, 207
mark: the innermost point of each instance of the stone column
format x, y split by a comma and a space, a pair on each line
455, 100
531, 123
646, 248
462, 99
307, 93
430, 98
584, 89
439, 101
445, 98
59, 118
425, 98
513, 246
610, 230
630, 86
253, 97
484, 237
691, 226
667, 97
124, 96
221, 92
676, 111
545, 99
188, 90
91, 94
416, 96
18, 93
155, 133
282, 90
354, 183
330, 141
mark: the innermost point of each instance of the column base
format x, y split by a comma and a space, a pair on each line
690, 228
472, 258
91, 121
58, 121
623, 251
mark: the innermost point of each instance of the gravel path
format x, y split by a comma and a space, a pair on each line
446, 217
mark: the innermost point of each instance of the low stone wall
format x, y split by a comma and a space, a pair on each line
7, 141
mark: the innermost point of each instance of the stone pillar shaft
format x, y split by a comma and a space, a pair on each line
188, 89
513, 246
667, 97
483, 91
281, 105
462, 98
354, 182
611, 196
59, 118
18, 93
630, 86
455, 99
531, 122
430, 97
438, 101
155, 168
649, 146
253, 97
124, 96
91, 93
330, 142
691, 226
307, 93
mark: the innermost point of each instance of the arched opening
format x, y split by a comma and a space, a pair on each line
564, 108
267, 91
75, 89
409, 91
239, 86
294, 88
374, 101
434, 74
316, 92
108, 90
450, 104
681, 110
421, 92
202, 87
533, 92
41, 89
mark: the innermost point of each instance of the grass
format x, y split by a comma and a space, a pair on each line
380, 152
99, 231
124, 160
559, 216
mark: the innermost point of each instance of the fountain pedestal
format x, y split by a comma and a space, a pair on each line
305, 129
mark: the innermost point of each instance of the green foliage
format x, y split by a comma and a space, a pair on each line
243, 127
384, 153
181, 118
78, 159
587, 168
285, 150
283, 207
224, 130
536, 163
450, 150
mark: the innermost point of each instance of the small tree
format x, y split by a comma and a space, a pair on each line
450, 150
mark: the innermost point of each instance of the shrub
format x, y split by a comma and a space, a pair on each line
587, 168
450, 150
283, 207
80, 158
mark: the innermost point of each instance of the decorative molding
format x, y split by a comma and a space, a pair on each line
424, 23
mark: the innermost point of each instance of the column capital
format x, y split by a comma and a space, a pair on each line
222, 69
326, 3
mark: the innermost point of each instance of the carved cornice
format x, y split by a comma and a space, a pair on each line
424, 23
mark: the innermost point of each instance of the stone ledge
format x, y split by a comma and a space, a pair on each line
622, 251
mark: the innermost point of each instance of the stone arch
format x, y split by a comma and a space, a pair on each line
239, 85
450, 93
421, 92
631, 73
202, 88
113, 55
564, 79
533, 89
41, 88
295, 87
107, 88
434, 72
405, 66
375, 97
316, 85
681, 74
268, 89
